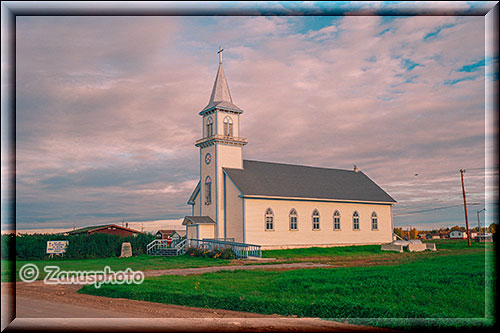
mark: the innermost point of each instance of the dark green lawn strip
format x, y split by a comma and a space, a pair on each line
438, 287
142, 263
322, 251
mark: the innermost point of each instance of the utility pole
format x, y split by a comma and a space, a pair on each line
478, 222
465, 206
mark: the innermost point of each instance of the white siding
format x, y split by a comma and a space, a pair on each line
282, 237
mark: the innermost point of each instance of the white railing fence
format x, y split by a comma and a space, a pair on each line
242, 250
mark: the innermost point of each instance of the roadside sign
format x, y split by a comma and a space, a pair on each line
56, 247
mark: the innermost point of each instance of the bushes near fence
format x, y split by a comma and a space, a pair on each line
224, 253
81, 246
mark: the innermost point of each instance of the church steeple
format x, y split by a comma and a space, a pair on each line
220, 147
221, 96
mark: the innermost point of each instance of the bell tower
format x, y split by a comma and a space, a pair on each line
220, 147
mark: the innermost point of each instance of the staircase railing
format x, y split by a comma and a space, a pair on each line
160, 244
151, 246
157, 244
181, 247
397, 236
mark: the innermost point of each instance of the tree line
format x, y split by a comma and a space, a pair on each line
414, 232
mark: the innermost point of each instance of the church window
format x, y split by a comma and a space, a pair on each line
293, 219
336, 220
208, 191
315, 220
355, 221
269, 219
374, 221
210, 127
228, 126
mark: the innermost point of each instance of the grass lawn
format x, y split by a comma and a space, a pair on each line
444, 286
142, 263
338, 256
363, 250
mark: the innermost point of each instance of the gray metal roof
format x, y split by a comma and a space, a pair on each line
287, 180
197, 220
221, 96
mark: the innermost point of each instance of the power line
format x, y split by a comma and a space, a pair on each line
433, 209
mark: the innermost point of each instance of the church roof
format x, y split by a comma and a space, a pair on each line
221, 96
287, 180
197, 220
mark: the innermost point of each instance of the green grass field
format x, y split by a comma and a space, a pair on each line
142, 262
450, 285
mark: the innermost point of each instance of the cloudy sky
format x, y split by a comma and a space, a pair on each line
107, 109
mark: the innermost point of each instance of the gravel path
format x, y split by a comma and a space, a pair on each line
201, 270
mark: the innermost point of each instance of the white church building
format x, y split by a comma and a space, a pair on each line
277, 205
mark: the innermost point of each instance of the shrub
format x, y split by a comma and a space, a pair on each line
225, 253
82, 246
8, 243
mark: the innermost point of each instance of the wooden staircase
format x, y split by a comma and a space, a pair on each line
159, 247
168, 252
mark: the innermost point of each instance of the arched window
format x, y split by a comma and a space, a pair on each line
210, 127
355, 221
374, 221
336, 220
293, 219
315, 219
208, 191
269, 217
228, 126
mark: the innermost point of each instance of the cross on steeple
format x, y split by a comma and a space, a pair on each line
220, 54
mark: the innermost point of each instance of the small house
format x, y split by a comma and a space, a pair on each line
110, 229
485, 238
458, 234
172, 234
433, 236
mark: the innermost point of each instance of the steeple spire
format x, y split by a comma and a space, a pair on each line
220, 54
221, 96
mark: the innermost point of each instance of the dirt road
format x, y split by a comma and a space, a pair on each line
40, 306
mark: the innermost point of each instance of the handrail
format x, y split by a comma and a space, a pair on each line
180, 244
157, 244
397, 236
181, 247
150, 246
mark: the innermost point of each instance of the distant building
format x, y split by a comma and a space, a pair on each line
458, 234
110, 229
172, 234
433, 236
485, 238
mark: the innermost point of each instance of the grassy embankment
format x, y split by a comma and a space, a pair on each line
449, 285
